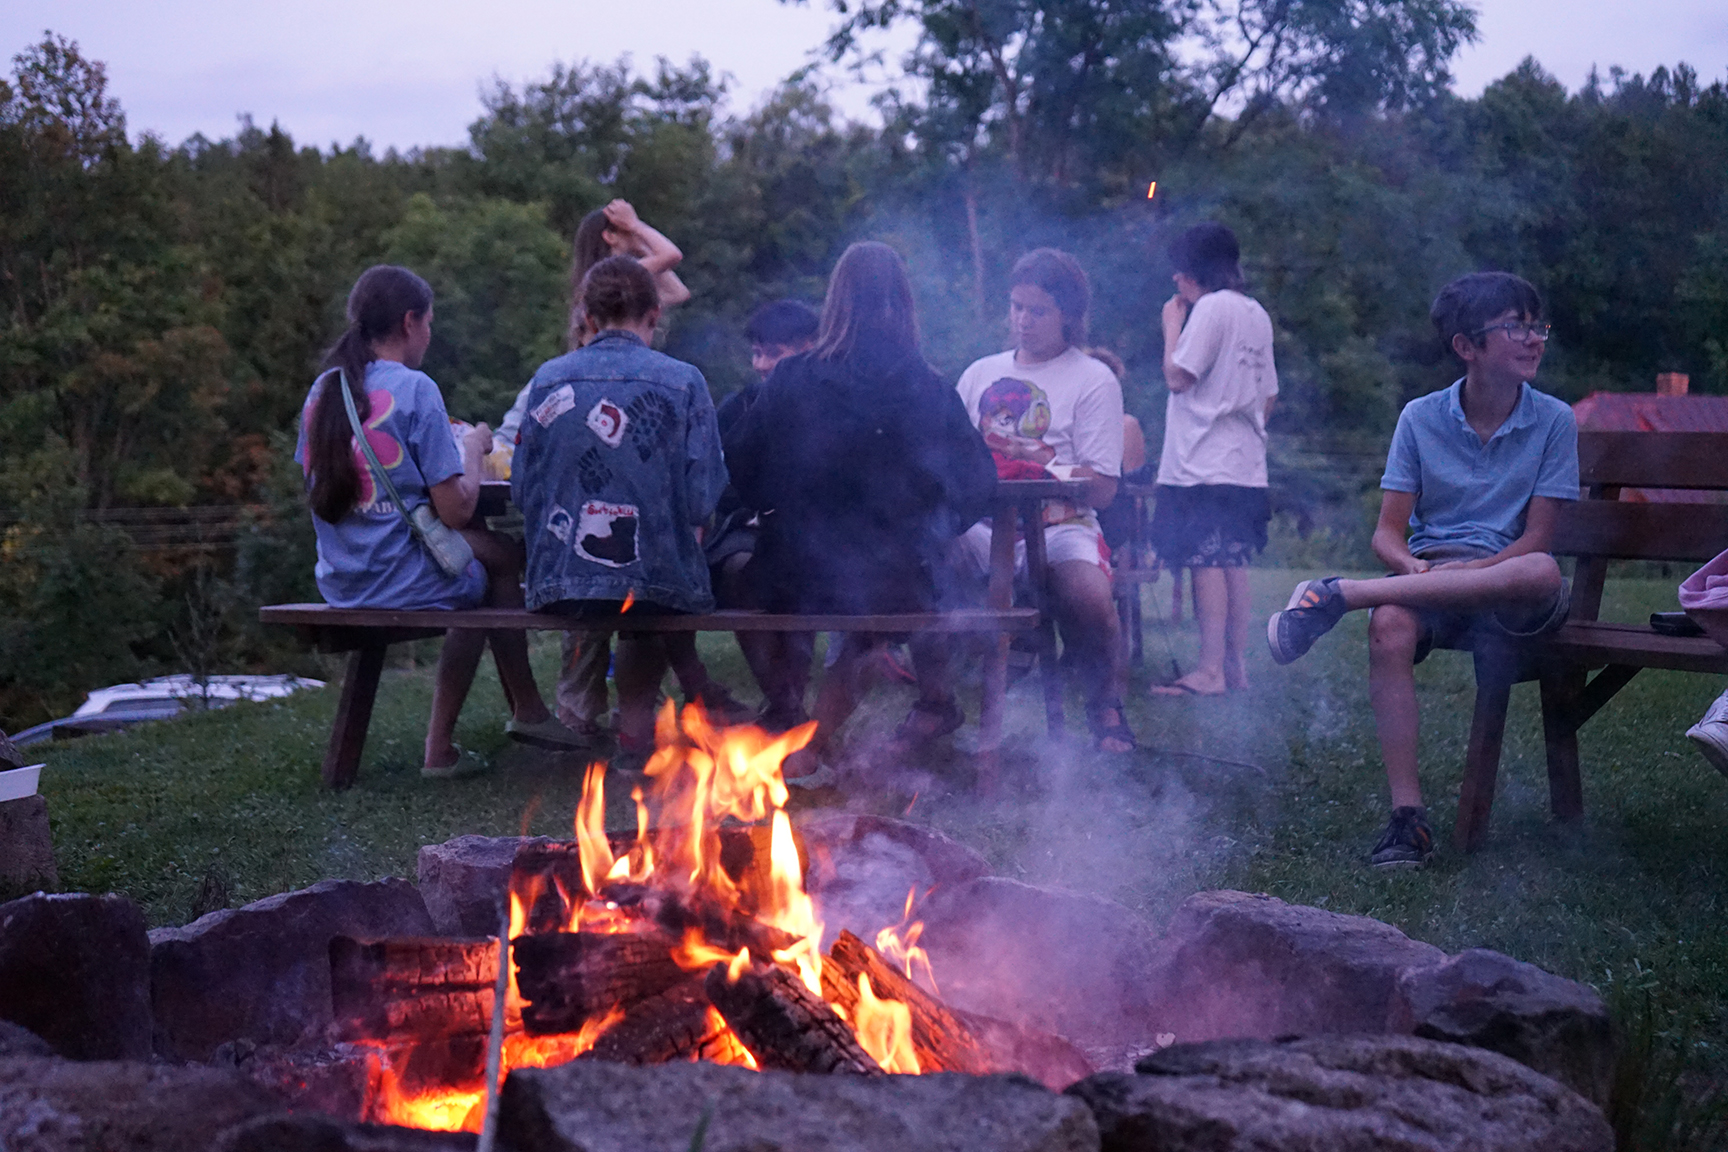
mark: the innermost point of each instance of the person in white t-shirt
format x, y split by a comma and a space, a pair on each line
1212, 502
1045, 403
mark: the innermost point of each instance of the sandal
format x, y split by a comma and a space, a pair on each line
1114, 729
467, 763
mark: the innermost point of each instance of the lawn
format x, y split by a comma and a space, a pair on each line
1278, 789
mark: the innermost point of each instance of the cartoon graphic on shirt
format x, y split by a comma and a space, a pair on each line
1013, 415
608, 421
384, 446
606, 533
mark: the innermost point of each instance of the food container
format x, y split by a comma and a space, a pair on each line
19, 782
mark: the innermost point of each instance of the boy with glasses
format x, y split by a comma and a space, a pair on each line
1475, 476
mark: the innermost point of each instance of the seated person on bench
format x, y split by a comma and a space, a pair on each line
1476, 475
864, 468
619, 464
367, 555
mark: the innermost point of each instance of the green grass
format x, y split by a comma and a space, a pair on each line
1287, 799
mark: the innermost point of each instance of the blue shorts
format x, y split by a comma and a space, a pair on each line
465, 591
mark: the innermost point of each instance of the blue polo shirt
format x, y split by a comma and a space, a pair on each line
1474, 495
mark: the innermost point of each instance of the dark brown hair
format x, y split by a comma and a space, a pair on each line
869, 306
378, 307
618, 290
588, 249
1209, 255
1471, 301
1060, 275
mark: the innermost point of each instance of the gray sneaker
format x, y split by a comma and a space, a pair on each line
1407, 841
1710, 734
1314, 607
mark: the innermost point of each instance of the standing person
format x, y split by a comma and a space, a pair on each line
1046, 402
368, 557
1212, 502
864, 468
780, 661
1473, 486
619, 467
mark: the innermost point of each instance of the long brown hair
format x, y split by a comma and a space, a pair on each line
382, 300
869, 306
590, 247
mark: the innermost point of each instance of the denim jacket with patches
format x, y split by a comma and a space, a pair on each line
618, 461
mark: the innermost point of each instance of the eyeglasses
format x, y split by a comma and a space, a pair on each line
1519, 331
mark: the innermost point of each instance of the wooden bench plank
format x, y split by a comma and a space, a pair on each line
1594, 643
1653, 459
323, 616
1641, 531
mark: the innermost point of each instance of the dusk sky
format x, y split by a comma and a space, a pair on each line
410, 73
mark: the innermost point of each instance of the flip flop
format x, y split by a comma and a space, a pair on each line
1177, 688
467, 763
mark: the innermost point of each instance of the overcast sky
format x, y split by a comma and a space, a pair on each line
409, 73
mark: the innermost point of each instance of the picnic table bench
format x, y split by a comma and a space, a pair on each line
1602, 526
366, 633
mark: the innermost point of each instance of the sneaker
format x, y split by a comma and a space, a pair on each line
1314, 607
549, 733
1407, 841
1710, 734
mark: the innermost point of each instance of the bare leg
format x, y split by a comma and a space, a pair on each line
1393, 632
1533, 578
638, 667
1238, 625
1212, 613
460, 657
1086, 613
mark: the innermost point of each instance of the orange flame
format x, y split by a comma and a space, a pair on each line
592, 846
1151, 188
899, 943
885, 1030
629, 599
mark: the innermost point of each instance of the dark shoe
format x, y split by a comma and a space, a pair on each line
724, 709
1109, 722
777, 720
1314, 607
1407, 841
928, 721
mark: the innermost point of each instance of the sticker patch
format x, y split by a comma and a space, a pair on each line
608, 422
561, 401
606, 533
559, 523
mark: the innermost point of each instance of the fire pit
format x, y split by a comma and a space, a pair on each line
693, 940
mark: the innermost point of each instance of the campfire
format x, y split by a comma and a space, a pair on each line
695, 940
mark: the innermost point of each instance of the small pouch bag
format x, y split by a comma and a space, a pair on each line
450, 551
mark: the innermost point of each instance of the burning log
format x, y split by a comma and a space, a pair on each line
784, 1024
678, 1024
568, 978
941, 1042
412, 987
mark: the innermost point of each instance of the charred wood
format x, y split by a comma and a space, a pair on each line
678, 1024
784, 1024
567, 978
412, 986
941, 1042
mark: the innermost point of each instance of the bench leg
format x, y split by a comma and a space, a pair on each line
353, 716
1482, 761
1561, 691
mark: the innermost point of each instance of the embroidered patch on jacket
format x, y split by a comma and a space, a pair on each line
608, 422
561, 401
606, 533
559, 523
653, 416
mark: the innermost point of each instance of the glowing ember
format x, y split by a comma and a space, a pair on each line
1151, 188
629, 599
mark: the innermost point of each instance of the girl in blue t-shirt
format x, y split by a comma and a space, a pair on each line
367, 556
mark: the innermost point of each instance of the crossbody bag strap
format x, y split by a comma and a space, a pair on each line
382, 476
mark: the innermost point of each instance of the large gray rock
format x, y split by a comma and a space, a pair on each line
120, 1106
262, 972
862, 867
299, 1132
1556, 1026
1338, 1094
463, 880
593, 1106
1233, 964
16, 1040
75, 970
1061, 962
26, 847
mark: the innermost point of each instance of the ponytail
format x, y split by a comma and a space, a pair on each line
377, 307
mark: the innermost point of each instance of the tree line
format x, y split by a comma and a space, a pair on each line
165, 305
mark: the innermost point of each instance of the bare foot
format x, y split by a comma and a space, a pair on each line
1194, 684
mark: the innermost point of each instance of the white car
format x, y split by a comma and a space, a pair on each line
107, 709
